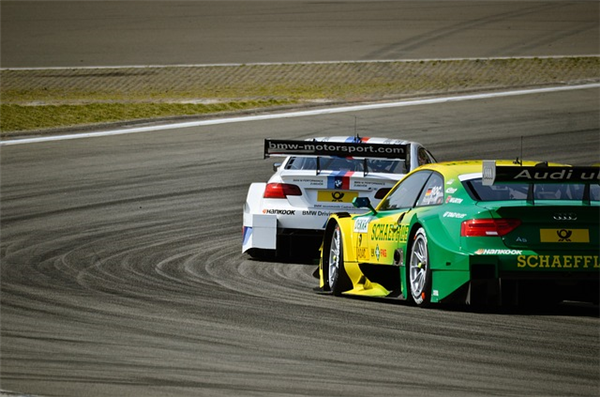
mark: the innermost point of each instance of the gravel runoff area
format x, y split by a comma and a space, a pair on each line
55, 99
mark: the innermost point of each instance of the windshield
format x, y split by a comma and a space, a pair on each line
344, 164
518, 191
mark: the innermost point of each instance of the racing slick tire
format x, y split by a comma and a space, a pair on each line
419, 270
335, 275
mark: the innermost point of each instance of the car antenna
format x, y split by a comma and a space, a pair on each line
517, 161
357, 137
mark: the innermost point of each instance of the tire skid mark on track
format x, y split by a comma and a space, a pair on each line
160, 299
397, 50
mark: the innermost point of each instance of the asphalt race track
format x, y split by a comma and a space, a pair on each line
109, 33
121, 271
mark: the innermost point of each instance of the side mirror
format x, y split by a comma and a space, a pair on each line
276, 166
363, 202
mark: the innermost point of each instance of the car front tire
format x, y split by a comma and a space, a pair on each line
335, 274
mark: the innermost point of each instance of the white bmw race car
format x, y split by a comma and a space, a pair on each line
286, 216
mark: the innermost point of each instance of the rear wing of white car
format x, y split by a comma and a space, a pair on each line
541, 174
355, 150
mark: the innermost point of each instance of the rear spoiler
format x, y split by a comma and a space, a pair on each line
356, 150
540, 173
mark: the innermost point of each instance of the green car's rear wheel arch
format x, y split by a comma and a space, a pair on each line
334, 273
419, 270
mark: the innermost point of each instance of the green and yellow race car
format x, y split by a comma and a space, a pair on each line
472, 232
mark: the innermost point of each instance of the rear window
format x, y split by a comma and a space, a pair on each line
518, 191
343, 164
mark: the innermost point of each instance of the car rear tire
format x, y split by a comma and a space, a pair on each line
419, 271
335, 274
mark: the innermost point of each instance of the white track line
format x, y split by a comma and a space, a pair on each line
301, 113
212, 65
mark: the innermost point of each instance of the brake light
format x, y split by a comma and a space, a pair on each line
281, 190
488, 227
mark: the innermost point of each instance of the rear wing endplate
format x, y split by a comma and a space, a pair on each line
356, 150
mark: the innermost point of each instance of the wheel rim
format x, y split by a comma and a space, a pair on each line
419, 264
334, 257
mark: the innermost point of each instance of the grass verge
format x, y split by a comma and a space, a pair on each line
30, 118
37, 100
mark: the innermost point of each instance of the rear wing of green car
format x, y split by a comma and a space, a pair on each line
541, 174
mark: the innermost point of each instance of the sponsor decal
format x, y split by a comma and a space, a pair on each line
544, 174
565, 216
336, 196
311, 182
359, 183
565, 174
385, 232
316, 213
403, 234
564, 236
339, 182
361, 225
456, 215
451, 190
379, 252
453, 200
450, 182
492, 251
558, 261
433, 195
273, 147
362, 253
279, 212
